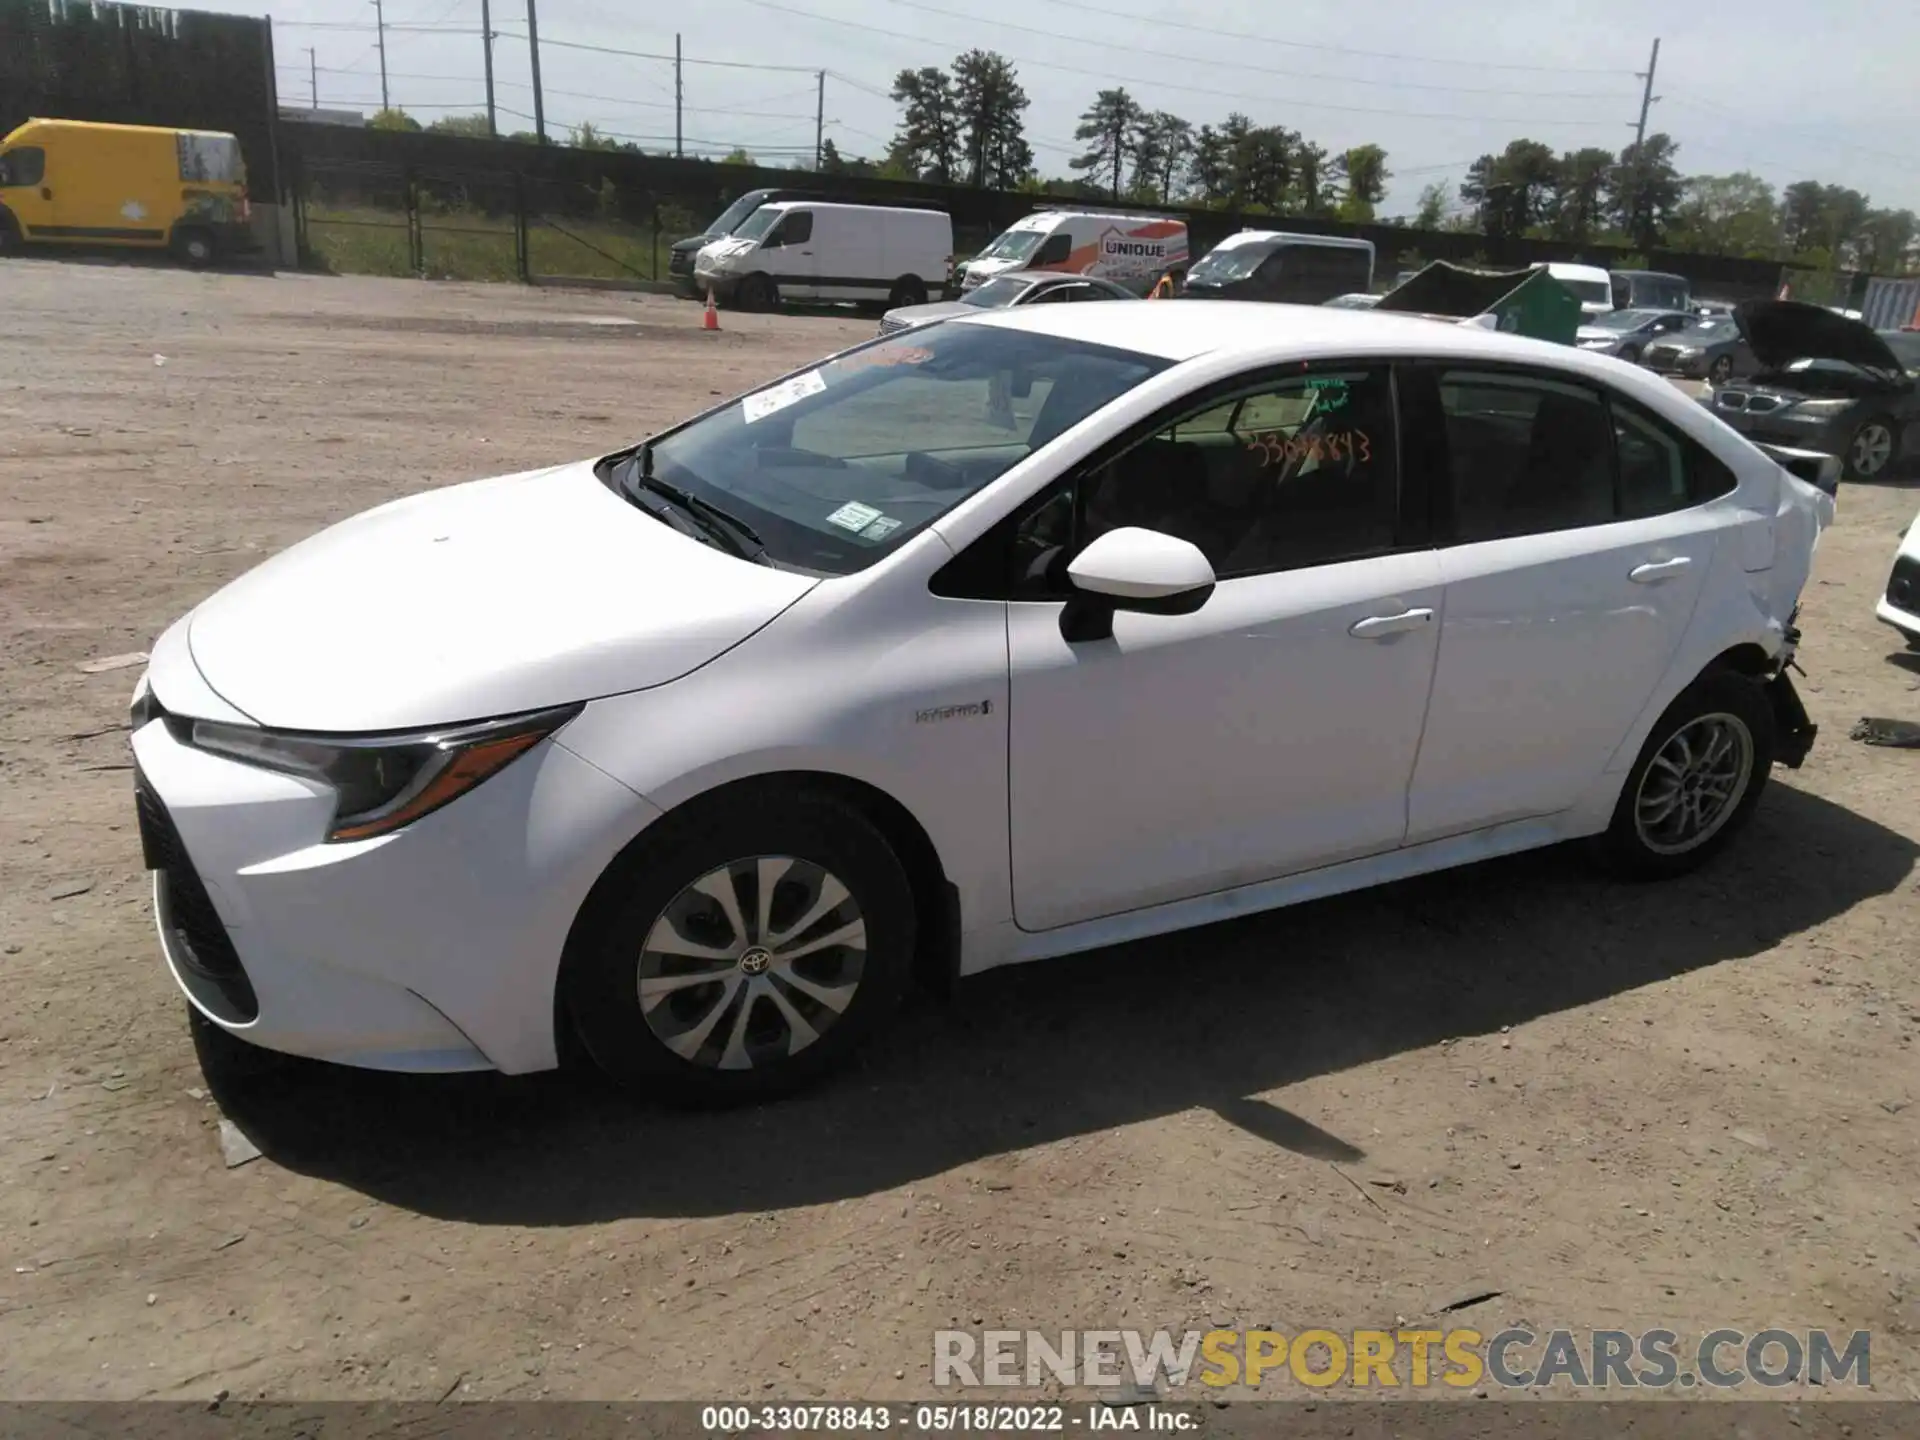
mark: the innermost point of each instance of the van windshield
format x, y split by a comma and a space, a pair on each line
1014, 245
739, 210
1589, 292
839, 465
1219, 267
758, 223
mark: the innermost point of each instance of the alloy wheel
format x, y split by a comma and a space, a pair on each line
1694, 784
1872, 448
752, 963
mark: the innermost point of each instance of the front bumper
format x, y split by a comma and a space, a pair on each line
1664, 362
1829, 437
1899, 606
436, 948
722, 285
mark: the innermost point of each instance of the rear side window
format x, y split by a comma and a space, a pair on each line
24, 166
1529, 455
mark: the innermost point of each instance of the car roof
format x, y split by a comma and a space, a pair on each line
1182, 329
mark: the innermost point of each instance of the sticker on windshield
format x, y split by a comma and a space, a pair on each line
787, 392
854, 516
880, 529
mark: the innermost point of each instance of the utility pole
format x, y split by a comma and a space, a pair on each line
820, 121
486, 51
1647, 97
380, 27
679, 151
539, 100
313, 81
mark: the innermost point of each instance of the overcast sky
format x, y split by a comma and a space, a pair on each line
1822, 90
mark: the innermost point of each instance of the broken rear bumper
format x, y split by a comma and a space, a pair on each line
1793, 731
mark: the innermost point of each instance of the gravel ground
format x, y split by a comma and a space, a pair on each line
1687, 1106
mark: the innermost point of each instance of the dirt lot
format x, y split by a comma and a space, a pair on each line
1688, 1106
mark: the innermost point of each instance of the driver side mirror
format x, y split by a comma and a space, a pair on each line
1133, 569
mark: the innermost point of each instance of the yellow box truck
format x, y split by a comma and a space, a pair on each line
74, 182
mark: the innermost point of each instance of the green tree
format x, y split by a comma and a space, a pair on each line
392, 118
1735, 214
737, 156
1362, 175
585, 137
990, 107
1643, 190
1885, 241
1312, 178
1162, 145
1434, 205
1578, 205
1511, 191
474, 127
928, 139
1108, 126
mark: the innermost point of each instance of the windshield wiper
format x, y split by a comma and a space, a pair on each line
740, 537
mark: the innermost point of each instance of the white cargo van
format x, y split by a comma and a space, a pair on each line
1130, 250
812, 250
1591, 286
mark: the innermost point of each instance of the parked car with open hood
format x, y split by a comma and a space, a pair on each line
1828, 383
1710, 349
1627, 333
1009, 636
1016, 287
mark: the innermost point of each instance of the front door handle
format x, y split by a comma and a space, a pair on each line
1377, 627
1657, 570
45, 193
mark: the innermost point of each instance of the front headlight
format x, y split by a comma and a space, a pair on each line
1820, 409
382, 783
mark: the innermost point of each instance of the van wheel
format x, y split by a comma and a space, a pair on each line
194, 246
1696, 781
907, 290
742, 951
757, 292
10, 239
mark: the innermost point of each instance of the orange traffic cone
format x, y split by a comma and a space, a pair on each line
711, 320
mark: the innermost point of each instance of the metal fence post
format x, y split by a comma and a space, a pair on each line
522, 261
416, 242
653, 250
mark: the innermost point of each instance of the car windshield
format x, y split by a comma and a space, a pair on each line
1218, 267
995, 293
1905, 345
731, 217
1624, 319
840, 464
1013, 245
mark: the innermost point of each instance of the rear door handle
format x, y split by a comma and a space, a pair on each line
1657, 570
1378, 627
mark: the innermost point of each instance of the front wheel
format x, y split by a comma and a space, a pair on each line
743, 951
757, 292
10, 239
1872, 450
1631, 354
1696, 780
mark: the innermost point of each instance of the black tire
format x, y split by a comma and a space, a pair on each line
10, 237
907, 290
758, 293
1720, 371
651, 886
1631, 354
1884, 422
1716, 698
195, 246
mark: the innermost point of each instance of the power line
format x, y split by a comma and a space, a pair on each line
547, 41
1241, 65
363, 29
1109, 15
620, 100
1110, 77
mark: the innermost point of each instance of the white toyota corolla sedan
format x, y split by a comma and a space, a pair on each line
1009, 636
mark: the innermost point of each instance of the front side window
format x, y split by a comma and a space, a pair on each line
1055, 251
795, 229
729, 219
26, 165
995, 293
840, 464
1294, 473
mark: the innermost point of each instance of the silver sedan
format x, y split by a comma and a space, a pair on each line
1017, 287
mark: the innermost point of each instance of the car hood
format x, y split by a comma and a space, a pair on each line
937, 310
693, 242
477, 600
1597, 332
1782, 331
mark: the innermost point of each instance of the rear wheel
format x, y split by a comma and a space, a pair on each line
907, 290
1696, 781
194, 246
1873, 449
743, 951
757, 292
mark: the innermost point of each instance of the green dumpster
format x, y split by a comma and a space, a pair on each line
1520, 302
